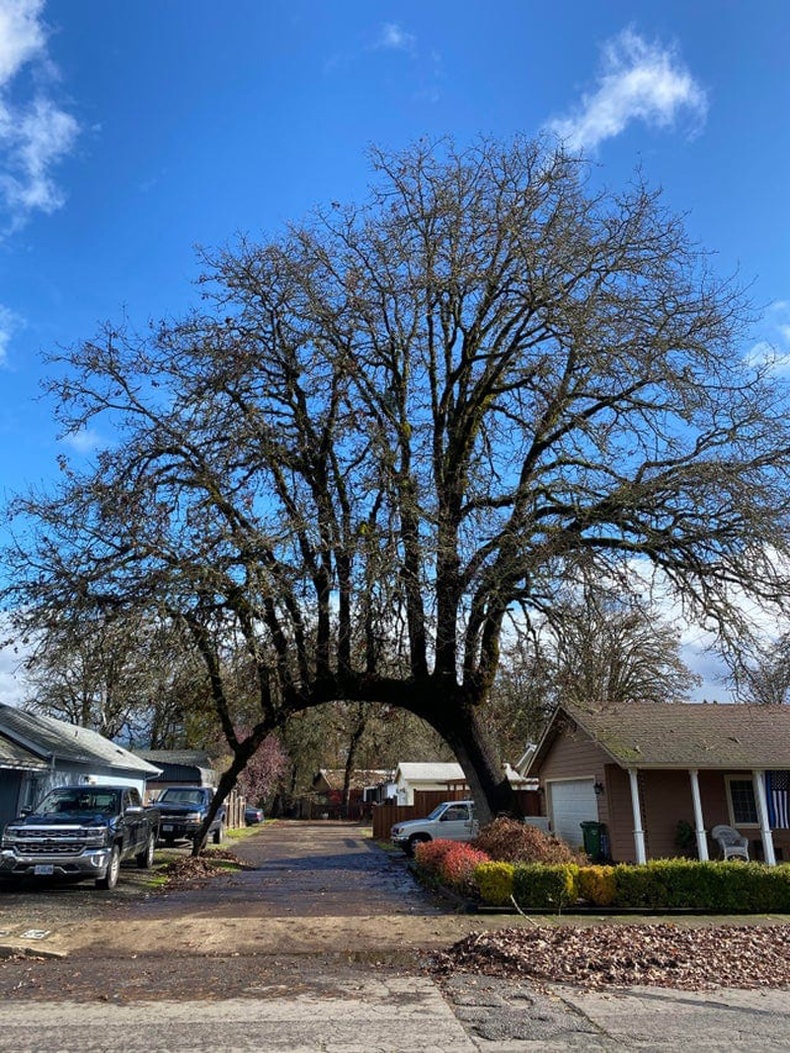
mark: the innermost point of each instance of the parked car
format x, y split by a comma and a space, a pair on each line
449, 821
183, 810
79, 833
253, 815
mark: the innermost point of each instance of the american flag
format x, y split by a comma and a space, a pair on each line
778, 789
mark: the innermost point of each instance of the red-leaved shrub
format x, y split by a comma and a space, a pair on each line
449, 863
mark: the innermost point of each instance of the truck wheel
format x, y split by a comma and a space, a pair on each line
145, 859
417, 839
110, 879
219, 833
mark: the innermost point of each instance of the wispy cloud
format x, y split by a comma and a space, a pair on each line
83, 442
35, 132
392, 37
773, 350
639, 81
9, 323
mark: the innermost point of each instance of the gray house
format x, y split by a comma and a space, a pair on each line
179, 768
37, 753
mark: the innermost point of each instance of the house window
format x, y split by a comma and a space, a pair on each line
743, 806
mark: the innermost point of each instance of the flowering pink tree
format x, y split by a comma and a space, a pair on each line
264, 769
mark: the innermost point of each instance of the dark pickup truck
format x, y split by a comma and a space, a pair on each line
76, 833
183, 810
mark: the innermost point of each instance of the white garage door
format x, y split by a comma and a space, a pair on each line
572, 803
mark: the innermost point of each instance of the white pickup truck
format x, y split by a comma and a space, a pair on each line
449, 821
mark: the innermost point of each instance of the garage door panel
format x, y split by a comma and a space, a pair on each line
573, 802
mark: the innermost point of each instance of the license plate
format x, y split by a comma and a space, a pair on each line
167, 826
43, 869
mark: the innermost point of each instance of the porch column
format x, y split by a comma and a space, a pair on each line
761, 800
699, 825
639, 833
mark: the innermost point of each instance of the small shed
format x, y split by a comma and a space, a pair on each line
648, 771
39, 752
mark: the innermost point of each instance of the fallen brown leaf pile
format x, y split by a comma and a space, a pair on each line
745, 956
190, 872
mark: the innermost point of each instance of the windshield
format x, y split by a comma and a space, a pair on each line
183, 796
437, 811
69, 800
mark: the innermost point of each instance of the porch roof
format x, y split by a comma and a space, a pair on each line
683, 735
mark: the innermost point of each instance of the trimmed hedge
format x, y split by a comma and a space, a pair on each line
664, 884
494, 882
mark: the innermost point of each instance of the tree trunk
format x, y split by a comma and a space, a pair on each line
460, 726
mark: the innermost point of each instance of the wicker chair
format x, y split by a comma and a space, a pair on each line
733, 845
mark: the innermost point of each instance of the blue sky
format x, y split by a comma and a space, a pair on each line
132, 132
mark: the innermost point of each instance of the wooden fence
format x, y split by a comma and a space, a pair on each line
386, 815
235, 803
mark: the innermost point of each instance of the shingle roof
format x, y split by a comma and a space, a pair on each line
47, 737
12, 755
194, 758
360, 778
684, 735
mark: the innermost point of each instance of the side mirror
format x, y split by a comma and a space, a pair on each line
134, 809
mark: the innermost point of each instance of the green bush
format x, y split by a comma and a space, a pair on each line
494, 883
725, 888
717, 887
536, 885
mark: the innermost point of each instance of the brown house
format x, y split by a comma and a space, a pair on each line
641, 768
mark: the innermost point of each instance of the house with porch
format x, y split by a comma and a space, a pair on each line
640, 769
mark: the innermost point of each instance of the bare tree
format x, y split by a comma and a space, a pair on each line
761, 676
611, 651
401, 421
126, 677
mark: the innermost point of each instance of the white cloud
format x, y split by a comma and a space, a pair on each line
35, 133
773, 350
394, 38
9, 322
84, 441
638, 82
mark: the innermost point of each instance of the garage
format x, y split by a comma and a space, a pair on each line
572, 802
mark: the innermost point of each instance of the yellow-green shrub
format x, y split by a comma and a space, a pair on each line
494, 882
597, 885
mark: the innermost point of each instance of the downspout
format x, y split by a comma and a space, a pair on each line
762, 814
699, 825
639, 833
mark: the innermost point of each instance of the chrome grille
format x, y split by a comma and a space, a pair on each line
49, 848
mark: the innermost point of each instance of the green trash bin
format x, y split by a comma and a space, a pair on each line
592, 836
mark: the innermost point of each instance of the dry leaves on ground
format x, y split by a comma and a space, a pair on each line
190, 871
663, 955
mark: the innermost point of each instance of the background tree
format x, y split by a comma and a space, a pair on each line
402, 421
612, 650
128, 676
762, 675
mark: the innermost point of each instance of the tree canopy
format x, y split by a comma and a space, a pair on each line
397, 432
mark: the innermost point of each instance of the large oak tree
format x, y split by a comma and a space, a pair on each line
393, 435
